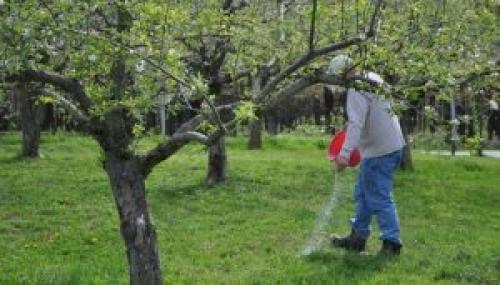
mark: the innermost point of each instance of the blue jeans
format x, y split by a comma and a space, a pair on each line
373, 196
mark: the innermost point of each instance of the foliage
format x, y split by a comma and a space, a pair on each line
430, 41
245, 112
125, 53
307, 130
474, 144
431, 141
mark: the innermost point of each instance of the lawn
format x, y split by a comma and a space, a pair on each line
58, 223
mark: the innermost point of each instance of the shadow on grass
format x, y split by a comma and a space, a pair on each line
355, 265
179, 192
248, 180
18, 158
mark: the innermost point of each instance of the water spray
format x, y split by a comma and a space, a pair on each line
318, 235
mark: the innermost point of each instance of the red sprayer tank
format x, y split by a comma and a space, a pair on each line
336, 146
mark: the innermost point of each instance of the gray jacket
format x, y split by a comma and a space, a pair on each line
372, 126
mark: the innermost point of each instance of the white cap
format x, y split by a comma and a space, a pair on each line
339, 64
493, 105
372, 76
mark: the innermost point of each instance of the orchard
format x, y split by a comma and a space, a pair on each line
167, 142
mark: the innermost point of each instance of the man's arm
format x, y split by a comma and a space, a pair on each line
356, 108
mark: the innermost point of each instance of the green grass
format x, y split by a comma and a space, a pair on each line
58, 223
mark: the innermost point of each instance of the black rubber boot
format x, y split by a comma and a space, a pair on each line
390, 248
352, 242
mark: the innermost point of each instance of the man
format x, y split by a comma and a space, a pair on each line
373, 127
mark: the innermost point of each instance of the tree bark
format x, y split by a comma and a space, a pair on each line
217, 162
317, 111
406, 158
272, 124
127, 183
31, 117
217, 156
255, 136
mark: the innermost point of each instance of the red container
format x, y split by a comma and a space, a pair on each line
336, 146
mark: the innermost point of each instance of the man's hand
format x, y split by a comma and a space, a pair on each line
340, 163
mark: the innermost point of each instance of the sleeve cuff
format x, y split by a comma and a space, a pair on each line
345, 154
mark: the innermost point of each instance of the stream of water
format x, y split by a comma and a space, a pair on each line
318, 235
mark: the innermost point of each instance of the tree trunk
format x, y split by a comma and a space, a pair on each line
31, 117
272, 124
328, 119
127, 183
255, 126
317, 111
217, 156
217, 162
406, 158
255, 136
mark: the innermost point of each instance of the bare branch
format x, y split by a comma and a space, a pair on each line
304, 60
197, 120
70, 85
313, 25
164, 71
169, 147
317, 52
192, 136
317, 77
374, 22
196, 36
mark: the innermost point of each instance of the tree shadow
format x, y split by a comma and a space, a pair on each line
18, 158
180, 192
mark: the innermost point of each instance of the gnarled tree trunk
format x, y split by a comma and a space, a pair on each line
127, 183
31, 116
217, 162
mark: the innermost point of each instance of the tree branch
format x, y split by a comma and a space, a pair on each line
313, 25
229, 7
372, 31
304, 60
184, 134
317, 77
315, 53
72, 109
197, 120
70, 85
169, 147
477, 75
215, 113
